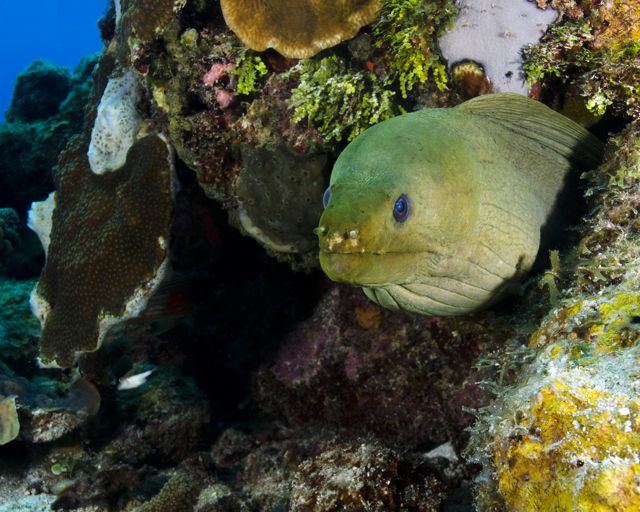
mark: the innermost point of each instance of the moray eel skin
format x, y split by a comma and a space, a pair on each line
440, 211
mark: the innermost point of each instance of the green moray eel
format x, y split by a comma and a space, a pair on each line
440, 211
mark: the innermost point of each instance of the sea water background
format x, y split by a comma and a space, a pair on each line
60, 31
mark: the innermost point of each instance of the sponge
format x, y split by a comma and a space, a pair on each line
116, 126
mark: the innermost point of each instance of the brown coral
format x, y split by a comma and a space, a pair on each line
108, 247
297, 29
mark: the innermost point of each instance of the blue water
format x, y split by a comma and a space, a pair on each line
61, 31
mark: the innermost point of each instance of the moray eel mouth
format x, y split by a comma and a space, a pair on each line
370, 269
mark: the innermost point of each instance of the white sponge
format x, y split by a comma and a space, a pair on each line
40, 219
493, 33
117, 124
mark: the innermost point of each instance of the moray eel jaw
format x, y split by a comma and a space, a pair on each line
368, 268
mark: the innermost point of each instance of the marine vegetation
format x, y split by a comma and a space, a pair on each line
400, 58
594, 53
339, 101
387, 225
249, 69
407, 32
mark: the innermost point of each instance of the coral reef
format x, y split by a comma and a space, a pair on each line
171, 417
19, 329
360, 478
297, 29
280, 390
109, 242
20, 253
45, 416
142, 21
39, 93
333, 367
46, 110
9, 235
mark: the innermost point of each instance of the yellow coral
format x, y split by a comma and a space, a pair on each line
574, 434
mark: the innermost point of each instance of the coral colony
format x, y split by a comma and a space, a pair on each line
169, 340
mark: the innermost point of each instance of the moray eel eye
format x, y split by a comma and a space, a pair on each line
401, 208
326, 196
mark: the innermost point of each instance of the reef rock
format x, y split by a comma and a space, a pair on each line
361, 478
334, 368
41, 414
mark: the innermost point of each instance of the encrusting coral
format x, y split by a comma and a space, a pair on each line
297, 28
109, 243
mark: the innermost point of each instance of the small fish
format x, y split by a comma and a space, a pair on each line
440, 211
133, 381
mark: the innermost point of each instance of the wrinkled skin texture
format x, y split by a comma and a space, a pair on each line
482, 180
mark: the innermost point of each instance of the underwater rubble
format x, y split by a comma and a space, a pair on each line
181, 349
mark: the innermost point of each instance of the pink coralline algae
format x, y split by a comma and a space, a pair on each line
216, 72
223, 98
213, 78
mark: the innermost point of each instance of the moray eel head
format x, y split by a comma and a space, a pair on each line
384, 233
389, 225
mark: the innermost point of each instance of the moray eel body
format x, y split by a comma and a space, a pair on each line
440, 211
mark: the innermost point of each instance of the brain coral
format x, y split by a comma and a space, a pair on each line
108, 248
295, 28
